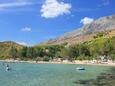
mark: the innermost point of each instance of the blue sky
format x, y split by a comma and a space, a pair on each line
33, 21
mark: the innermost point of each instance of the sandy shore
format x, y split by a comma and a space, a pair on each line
54, 62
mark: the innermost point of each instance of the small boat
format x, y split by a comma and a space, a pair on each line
80, 68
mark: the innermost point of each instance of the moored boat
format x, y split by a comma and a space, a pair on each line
80, 68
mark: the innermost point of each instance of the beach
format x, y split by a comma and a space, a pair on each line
85, 62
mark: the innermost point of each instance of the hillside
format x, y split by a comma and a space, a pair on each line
87, 32
5, 48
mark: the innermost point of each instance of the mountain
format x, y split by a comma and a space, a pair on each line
6, 46
87, 32
10, 44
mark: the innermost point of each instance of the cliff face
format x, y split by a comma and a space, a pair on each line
87, 32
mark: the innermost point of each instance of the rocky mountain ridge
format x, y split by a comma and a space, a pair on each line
103, 24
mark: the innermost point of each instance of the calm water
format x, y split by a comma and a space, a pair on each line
24, 74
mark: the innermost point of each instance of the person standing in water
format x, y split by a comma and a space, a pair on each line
7, 67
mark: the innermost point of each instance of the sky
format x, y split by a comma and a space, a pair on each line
30, 22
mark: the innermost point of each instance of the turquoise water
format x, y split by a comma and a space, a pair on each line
24, 74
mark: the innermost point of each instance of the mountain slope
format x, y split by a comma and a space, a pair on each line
6, 46
105, 24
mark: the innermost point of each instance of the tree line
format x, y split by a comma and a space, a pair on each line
89, 50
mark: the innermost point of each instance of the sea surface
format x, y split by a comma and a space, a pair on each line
25, 74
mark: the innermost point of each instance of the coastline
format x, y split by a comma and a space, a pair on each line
56, 62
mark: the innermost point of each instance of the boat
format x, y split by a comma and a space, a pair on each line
80, 68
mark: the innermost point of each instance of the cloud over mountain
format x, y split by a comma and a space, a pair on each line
86, 20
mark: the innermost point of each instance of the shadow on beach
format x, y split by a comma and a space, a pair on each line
104, 79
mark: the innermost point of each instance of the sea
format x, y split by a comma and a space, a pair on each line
27, 74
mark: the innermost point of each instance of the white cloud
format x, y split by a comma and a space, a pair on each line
54, 8
22, 43
14, 4
26, 29
86, 20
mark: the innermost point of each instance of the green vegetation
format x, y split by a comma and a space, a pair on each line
100, 46
100, 34
9, 49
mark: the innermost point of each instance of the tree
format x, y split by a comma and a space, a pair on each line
30, 53
100, 34
13, 52
69, 53
22, 53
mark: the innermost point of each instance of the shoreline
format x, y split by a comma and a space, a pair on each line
56, 62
